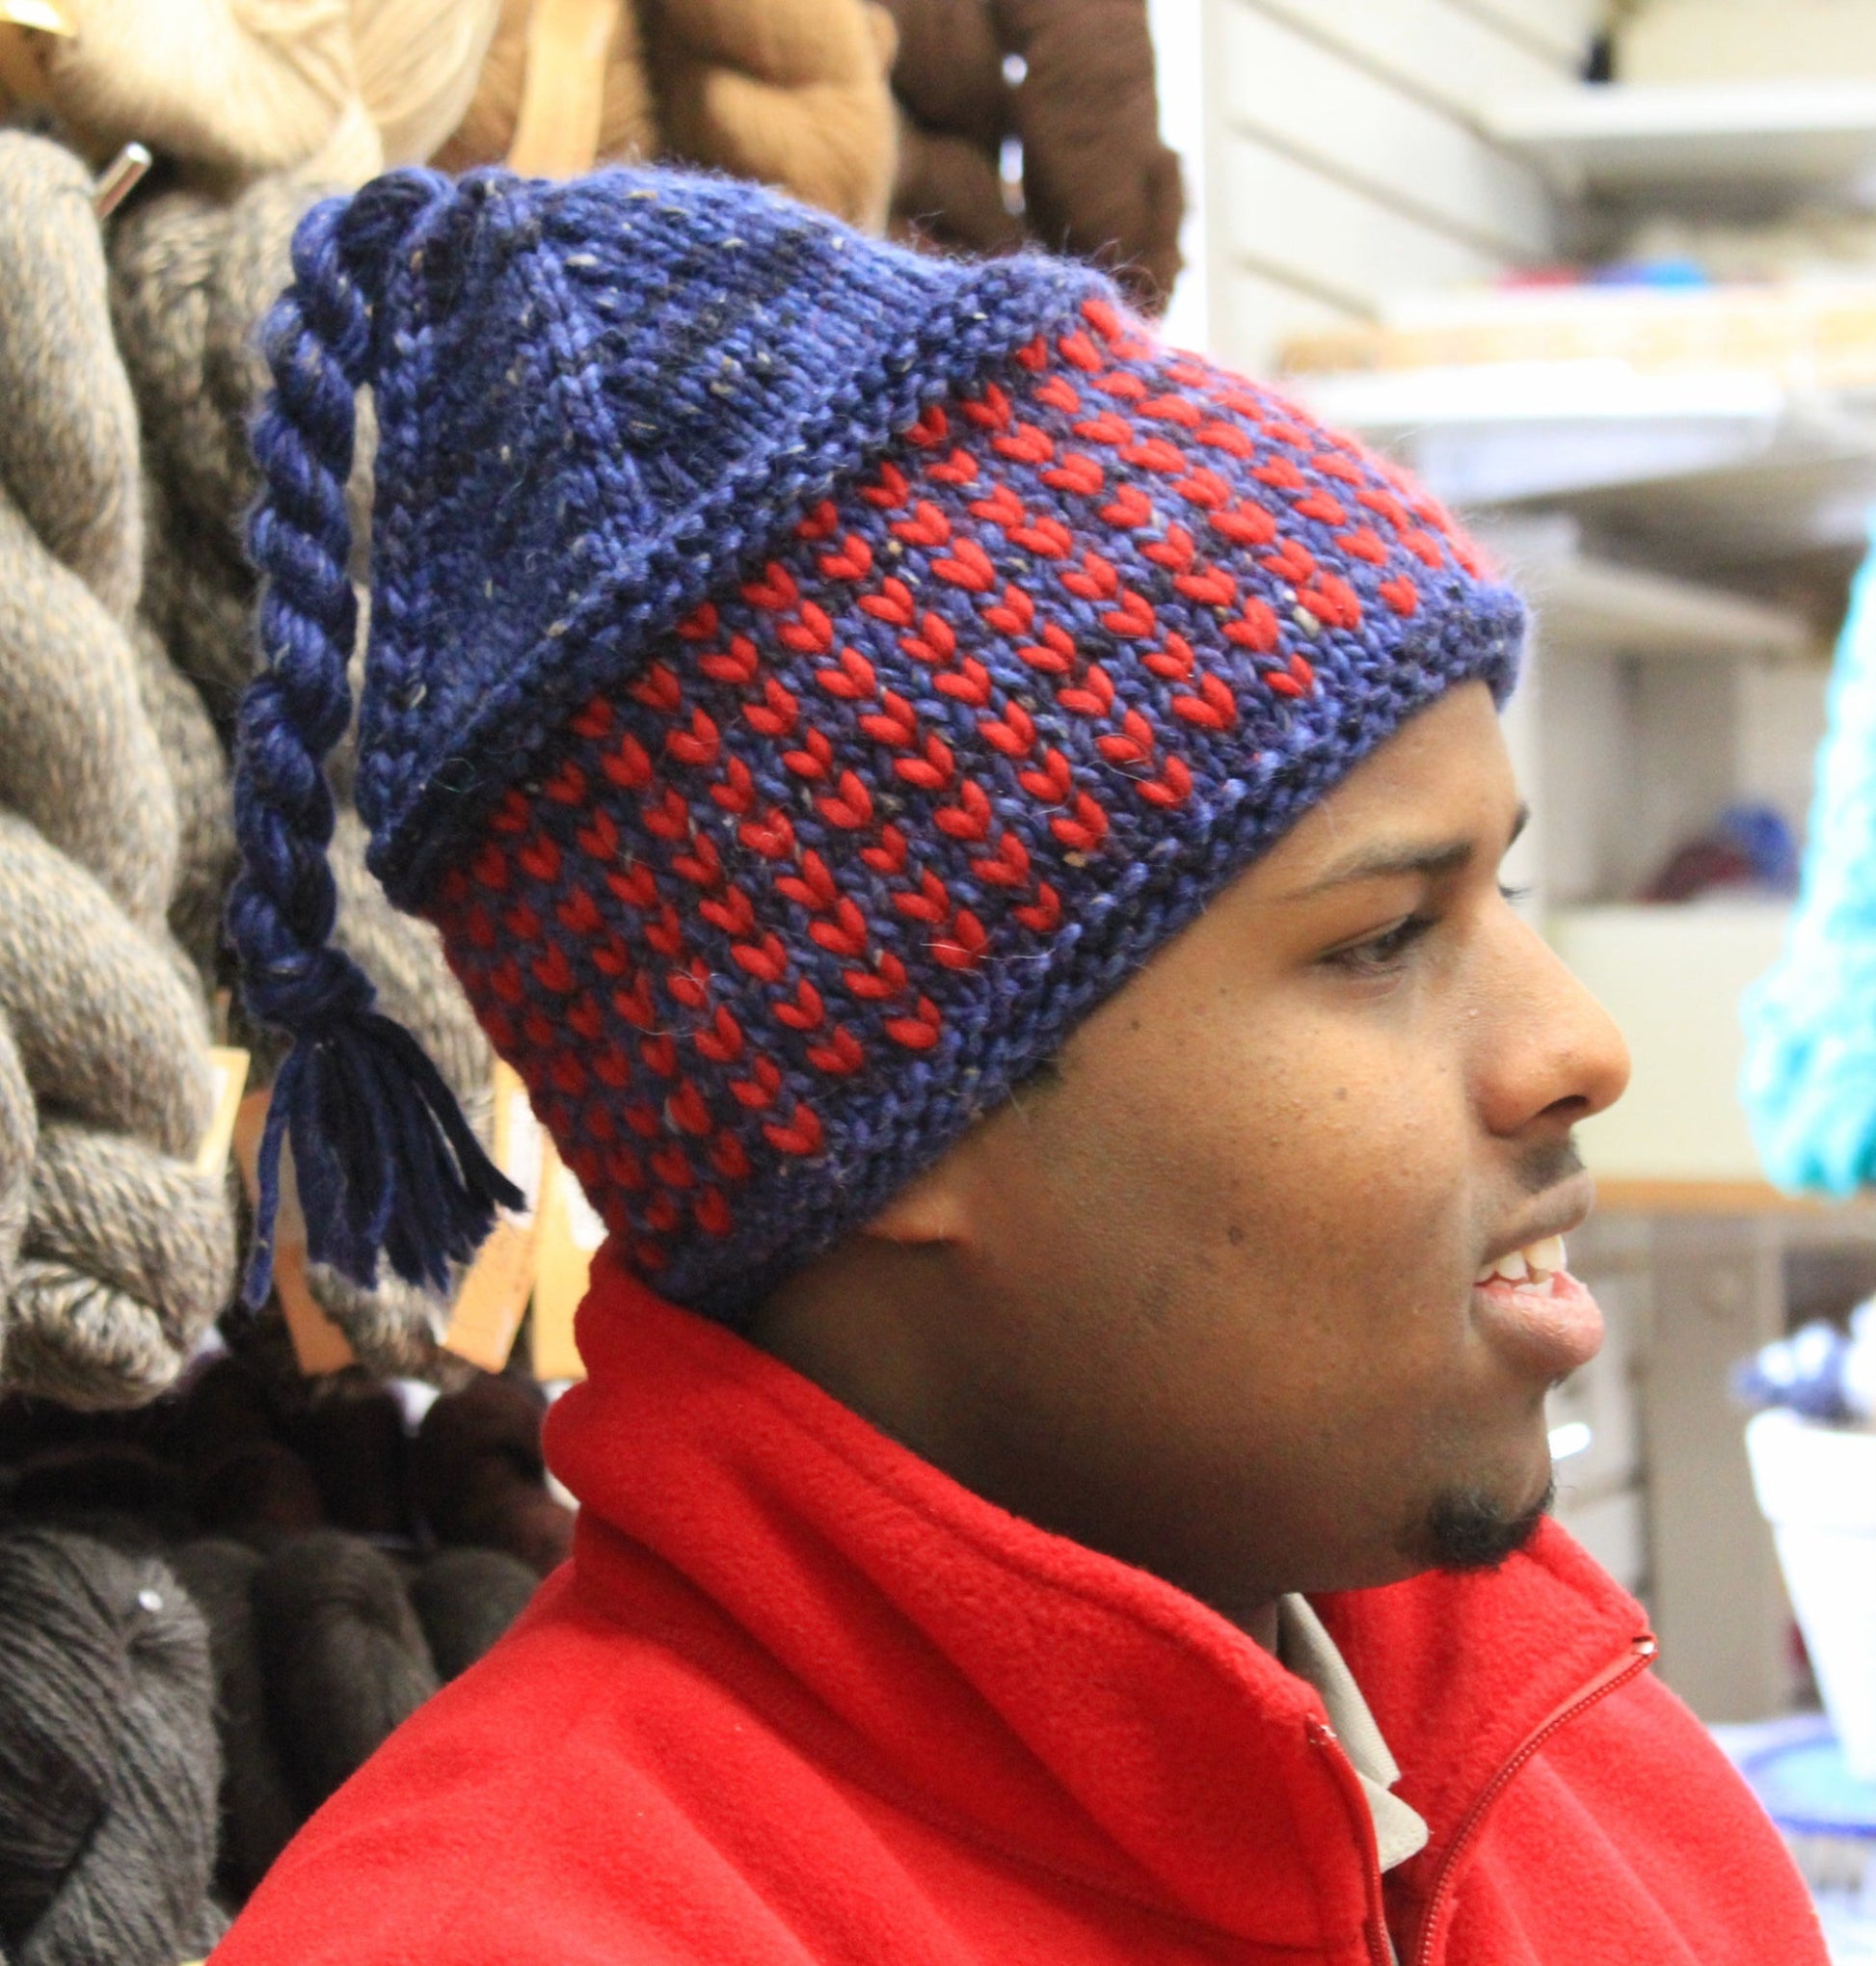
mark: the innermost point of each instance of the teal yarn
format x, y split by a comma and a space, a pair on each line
1809, 1083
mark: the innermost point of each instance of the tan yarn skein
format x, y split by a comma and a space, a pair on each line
486, 132
237, 87
790, 92
332, 90
418, 63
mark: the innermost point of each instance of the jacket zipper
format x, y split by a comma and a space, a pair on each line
1641, 1651
1381, 1948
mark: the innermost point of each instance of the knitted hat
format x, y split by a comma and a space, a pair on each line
804, 680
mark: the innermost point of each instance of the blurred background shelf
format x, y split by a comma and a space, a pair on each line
1709, 469
1703, 138
1584, 600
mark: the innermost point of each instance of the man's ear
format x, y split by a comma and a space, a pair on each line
932, 1207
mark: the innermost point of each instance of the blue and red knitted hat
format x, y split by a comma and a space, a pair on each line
803, 680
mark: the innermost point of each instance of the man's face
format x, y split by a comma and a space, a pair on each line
1204, 1298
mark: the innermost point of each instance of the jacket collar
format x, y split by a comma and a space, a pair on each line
1076, 1711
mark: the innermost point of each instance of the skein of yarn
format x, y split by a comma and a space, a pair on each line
343, 1655
81, 761
1097, 182
479, 1476
485, 134
238, 88
1809, 1082
466, 1599
258, 1815
115, 1253
790, 92
128, 1251
108, 1759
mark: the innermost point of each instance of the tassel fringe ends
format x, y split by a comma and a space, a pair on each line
383, 1156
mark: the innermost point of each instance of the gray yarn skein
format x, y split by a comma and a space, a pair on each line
103, 737
109, 1764
81, 759
19, 1140
204, 799
191, 277
127, 1254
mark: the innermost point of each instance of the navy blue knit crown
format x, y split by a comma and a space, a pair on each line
803, 680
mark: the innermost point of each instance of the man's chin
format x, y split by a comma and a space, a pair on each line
1470, 1528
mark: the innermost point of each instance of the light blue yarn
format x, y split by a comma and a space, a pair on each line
1809, 1078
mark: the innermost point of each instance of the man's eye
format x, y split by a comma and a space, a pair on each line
1381, 953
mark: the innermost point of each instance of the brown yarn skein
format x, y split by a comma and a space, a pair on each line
1097, 181
259, 1813
466, 1599
342, 1654
479, 1476
789, 92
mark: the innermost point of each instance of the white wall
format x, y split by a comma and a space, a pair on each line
1344, 162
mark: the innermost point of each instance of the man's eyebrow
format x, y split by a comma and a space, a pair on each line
1432, 860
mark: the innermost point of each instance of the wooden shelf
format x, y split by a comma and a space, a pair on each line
1630, 1197
1700, 137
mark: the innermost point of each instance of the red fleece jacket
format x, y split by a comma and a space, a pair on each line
800, 1699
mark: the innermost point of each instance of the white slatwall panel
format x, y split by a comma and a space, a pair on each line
1562, 29
1451, 59
1353, 123
1252, 311
1278, 216
1346, 163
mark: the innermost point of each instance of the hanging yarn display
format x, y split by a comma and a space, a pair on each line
258, 1815
115, 1251
109, 1764
342, 1654
466, 1599
291, 1513
1809, 1077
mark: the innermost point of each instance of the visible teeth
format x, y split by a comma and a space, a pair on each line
1539, 1262
1546, 1257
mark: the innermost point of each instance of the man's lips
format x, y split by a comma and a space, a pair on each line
1537, 1314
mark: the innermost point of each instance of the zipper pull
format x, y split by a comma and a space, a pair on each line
1361, 1821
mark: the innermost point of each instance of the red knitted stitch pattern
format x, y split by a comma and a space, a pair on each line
796, 895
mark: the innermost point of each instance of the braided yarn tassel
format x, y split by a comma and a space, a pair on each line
384, 1158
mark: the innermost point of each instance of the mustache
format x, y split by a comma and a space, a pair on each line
1547, 1166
